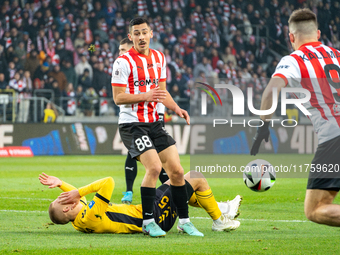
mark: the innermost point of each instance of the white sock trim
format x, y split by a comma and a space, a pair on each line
146, 222
184, 220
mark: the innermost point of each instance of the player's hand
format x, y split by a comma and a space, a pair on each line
183, 114
155, 95
70, 197
262, 133
49, 181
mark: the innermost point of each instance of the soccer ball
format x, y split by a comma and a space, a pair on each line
259, 175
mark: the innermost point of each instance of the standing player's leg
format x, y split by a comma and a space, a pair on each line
163, 176
319, 207
153, 166
323, 186
171, 163
130, 176
203, 197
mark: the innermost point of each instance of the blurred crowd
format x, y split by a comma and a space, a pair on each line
44, 44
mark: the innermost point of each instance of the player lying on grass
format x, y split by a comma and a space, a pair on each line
101, 216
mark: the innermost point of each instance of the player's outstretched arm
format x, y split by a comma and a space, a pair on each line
50, 181
104, 187
54, 182
266, 103
172, 105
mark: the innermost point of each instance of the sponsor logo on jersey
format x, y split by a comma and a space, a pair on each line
146, 82
91, 204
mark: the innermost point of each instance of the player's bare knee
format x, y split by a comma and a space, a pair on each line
154, 170
176, 173
309, 214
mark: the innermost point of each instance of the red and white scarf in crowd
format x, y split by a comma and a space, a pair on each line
120, 23
179, 23
154, 6
50, 52
178, 4
71, 103
7, 22
104, 106
159, 26
198, 17
69, 44
278, 29
49, 22
104, 27
39, 44
226, 9
231, 73
28, 46
8, 41
141, 8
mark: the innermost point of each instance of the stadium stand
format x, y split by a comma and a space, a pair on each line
44, 47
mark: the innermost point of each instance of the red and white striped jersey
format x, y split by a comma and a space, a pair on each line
139, 74
316, 67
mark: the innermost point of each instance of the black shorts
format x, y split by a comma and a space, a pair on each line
165, 211
326, 172
141, 137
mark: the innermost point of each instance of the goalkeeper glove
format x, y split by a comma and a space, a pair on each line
262, 133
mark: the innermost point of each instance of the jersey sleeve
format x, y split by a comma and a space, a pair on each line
68, 187
96, 208
287, 69
163, 71
120, 73
103, 187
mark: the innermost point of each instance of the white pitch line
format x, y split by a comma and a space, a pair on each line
207, 218
23, 211
26, 198
198, 218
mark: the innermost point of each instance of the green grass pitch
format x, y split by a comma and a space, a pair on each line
272, 222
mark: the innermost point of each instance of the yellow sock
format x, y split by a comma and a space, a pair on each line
194, 202
206, 200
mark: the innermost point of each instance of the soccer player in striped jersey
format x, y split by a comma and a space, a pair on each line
101, 216
131, 163
138, 84
316, 68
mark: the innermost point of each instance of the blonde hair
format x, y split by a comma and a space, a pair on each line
303, 21
57, 216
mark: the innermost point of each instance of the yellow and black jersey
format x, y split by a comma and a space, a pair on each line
101, 216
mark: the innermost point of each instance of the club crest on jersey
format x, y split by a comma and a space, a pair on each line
117, 73
146, 82
158, 65
336, 109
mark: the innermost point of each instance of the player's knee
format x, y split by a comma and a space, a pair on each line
309, 214
194, 174
176, 173
154, 170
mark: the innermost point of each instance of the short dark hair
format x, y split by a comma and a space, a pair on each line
301, 15
138, 21
126, 40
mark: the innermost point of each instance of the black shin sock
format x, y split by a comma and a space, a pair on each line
130, 172
180, 198
148, 197
163, 176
